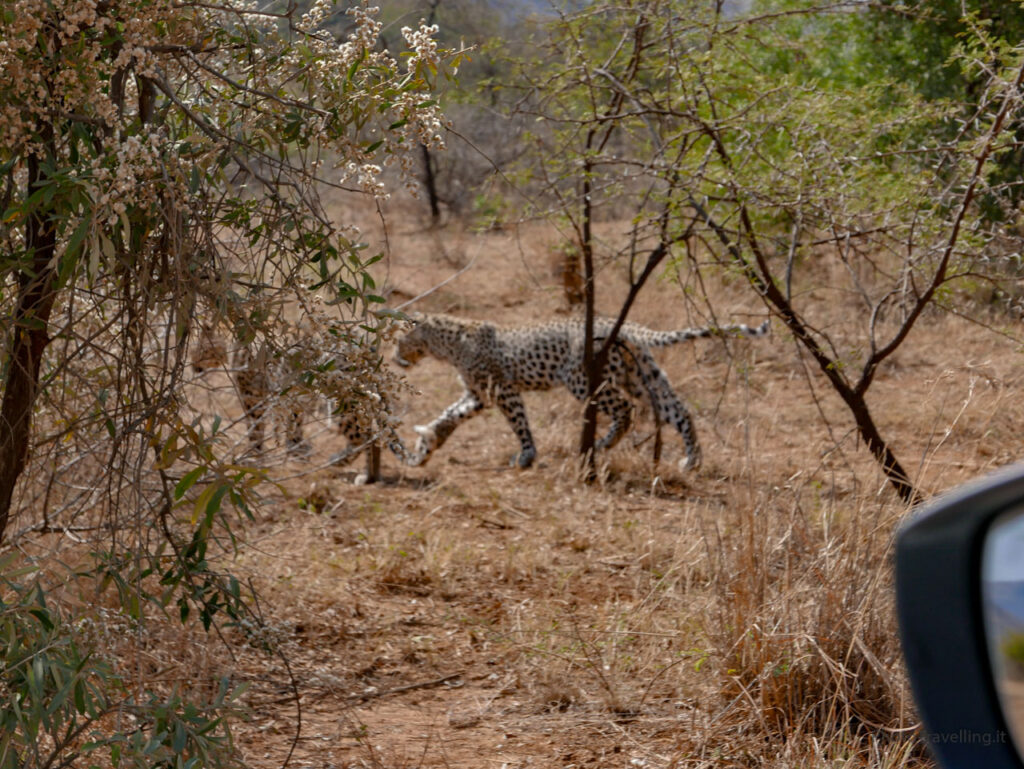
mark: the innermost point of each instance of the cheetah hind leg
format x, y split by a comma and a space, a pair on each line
670, 409
510, 404
524, 458
618, 408
674, 412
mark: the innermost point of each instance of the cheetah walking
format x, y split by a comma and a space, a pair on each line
497, 363
261, 379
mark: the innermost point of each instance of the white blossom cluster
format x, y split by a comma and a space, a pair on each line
59, 67
315, 16
423, 45
114, 185
56, 61
324, 358
366, 176
406, 120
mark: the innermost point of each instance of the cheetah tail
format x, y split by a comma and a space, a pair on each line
668, 338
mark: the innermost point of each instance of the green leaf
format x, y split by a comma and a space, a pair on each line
188, 481
354, 67
180, 738
44, 618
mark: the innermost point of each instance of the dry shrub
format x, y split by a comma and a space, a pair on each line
803, 622
402, 569
554, 688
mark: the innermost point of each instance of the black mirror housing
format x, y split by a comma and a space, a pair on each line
939, 605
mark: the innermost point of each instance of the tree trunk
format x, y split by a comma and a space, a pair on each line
28, 341
592, 364
429, 179
852, 396
430, 182
881, 451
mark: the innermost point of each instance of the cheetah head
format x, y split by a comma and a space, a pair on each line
412, 346
210, 350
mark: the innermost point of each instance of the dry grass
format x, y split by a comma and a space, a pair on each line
467, 614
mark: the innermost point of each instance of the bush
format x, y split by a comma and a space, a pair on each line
61, 700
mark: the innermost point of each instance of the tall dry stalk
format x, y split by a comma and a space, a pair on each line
802, 620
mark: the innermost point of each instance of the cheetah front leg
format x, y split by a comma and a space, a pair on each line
255, 412
358, 441
252, 387
298, 445
611, 402
510, 403
431, 437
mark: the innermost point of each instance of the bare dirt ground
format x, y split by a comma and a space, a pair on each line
467, 614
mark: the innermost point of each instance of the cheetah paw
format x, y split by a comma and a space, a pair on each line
691, 463
523, 459
426, 442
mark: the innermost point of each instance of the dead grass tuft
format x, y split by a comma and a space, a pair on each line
803, 622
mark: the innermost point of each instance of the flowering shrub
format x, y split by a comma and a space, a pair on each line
163, 160
166, 158
137, 92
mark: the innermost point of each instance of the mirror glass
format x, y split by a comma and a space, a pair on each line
1002, 589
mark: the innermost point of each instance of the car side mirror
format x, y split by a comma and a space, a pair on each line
960, 603
1002, 594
